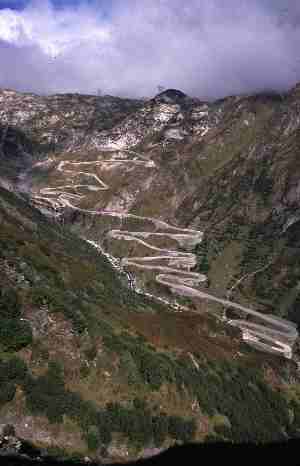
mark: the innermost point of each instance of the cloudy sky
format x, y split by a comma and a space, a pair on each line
207, 48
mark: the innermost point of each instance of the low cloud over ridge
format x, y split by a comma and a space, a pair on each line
208, 48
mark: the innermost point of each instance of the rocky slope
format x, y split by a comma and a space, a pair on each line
229, 168
192, 187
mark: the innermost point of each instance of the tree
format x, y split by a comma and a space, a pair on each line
7, 393
92, 438
10, 306
160, 426
181, 429
14, 334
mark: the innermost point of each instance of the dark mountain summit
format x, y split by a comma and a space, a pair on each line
170, 96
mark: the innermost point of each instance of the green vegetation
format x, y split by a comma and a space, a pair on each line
47, 395
201, 251
142, 428
255, 411
58, 270
14, 333
12, 372
62, 273
152, 367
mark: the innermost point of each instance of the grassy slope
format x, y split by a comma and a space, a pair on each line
82, 315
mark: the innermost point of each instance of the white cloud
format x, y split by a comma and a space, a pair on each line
204, 48
55, 32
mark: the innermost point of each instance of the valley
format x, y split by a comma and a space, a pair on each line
271, 334
149, 270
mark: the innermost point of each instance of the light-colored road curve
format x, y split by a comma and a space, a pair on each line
172, 267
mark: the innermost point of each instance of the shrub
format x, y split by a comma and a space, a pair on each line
16, 370
92, 438
10, 307
181, 429
46, 394
160, 426
104, 427
14, 334
7, 393
129, 368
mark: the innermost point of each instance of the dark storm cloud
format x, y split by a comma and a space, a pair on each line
208, 48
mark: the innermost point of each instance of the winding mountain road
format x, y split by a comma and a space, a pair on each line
173, 267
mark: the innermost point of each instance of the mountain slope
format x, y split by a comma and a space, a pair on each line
193, 188
180, 160
249, 205
61, 314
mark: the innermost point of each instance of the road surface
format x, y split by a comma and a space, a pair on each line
172, 267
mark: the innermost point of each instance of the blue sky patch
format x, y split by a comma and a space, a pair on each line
13, 4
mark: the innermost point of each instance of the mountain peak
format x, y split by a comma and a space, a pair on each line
170, 96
